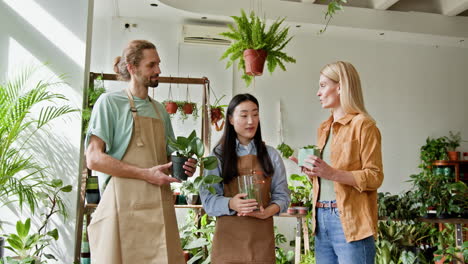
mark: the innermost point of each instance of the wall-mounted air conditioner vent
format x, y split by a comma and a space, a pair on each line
205, 34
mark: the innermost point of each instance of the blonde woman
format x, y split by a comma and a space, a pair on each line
346, 179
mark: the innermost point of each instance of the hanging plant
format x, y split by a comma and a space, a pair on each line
217, 113
253, 44
170, 104
187, 107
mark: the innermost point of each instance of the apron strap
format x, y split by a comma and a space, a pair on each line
136, 120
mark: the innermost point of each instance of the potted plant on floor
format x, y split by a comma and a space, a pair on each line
254, 43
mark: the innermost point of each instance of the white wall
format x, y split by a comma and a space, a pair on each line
33, 33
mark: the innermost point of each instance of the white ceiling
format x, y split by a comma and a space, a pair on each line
429, 22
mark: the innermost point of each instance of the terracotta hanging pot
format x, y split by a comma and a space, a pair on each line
171, 107
188, 108
216, 116
254, 61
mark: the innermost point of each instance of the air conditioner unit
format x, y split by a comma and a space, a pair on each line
205, 34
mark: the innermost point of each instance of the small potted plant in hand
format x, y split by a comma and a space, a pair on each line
305, 152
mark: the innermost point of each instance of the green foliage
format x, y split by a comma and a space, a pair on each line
251, 33
301, 190
183, 115
197, 236
453, 140
94, 91
286, 150
282, 256
400, 207
446, 246
308, 257
310, 147
193, 146
395, 237
22, 179
27, 246
333, 6
435, 149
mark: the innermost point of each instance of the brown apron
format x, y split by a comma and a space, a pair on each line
245, 239
135, 221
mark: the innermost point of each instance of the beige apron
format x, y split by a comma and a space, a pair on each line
244, 239
135, 221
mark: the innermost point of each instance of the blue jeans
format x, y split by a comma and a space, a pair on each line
331, 246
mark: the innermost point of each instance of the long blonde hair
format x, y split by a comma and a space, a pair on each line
346, 75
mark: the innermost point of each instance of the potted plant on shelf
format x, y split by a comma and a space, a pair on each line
301, 191
94, 91
434, 149
254, 43
190, 191
453, 142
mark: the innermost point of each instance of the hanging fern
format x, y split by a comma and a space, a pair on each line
250, 33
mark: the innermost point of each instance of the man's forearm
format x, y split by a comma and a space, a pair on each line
107, 164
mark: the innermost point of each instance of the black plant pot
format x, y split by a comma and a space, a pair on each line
178, 170
2, 245
92, 196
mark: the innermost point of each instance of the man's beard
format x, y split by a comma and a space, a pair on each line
148, 82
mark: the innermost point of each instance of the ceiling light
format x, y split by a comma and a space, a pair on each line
204, 18
155, 5
381, 34
298, 26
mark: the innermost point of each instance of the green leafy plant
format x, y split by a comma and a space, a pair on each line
197, 237
21, 177
332, 8
400, 207
453, 140
251, 33
192, 147
446, 246
434, 149
285, 149
94, 91
29, 247
282, 256
301, 190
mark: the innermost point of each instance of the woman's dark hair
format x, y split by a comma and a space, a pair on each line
225, 150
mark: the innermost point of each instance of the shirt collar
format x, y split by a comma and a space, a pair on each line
248, 148
343, 121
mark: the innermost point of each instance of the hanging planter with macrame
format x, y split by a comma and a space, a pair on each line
170, 104
187, 107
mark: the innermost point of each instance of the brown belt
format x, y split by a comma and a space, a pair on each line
326, 205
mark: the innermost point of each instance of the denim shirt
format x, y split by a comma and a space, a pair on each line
218, 205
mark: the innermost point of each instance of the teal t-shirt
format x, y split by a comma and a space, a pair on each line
112, 121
